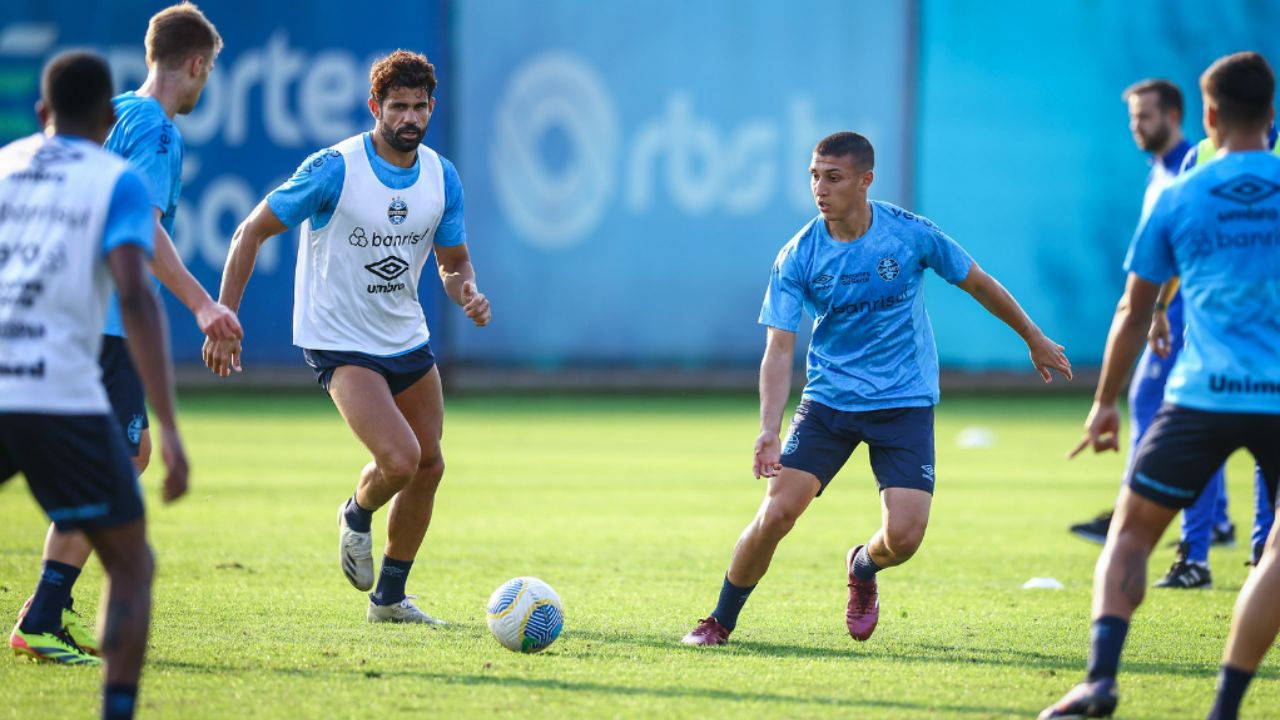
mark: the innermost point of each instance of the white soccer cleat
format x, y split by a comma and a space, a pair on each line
402, 612
355, 552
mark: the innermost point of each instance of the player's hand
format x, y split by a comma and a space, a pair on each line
218, 322
221, 356
1158, 336
475, 304
175, 464
1048, 355
768, 452
1101, 430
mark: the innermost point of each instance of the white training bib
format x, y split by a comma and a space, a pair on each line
54, 196
356, 287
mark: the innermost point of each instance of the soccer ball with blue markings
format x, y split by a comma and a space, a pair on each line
525, 615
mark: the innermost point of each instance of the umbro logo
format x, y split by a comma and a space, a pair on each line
823, 281
1246, 189
388, 268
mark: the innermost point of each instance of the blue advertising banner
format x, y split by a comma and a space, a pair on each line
1025, 155
632, 169
287, 83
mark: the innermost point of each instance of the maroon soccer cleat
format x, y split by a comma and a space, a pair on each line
708, 632
863, 611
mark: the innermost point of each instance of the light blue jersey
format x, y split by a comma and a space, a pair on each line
145, 136
872, 345
1218, 227
316, 186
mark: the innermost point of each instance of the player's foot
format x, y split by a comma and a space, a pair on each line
863, 610
708, 632
1185, 574
82, 636
1223, 536
355, 552
50, 647
1094, 530
1095, 699
404, 611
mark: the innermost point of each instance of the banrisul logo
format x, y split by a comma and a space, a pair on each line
397, 211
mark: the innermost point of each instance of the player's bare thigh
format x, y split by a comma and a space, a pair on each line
422, 406
365, 402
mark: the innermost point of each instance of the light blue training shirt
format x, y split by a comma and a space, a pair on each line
872, 345
1218, 227
151, 143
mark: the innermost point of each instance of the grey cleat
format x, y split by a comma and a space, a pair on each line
355, 552
404, 611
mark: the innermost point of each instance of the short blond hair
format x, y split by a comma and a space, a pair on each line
179, 31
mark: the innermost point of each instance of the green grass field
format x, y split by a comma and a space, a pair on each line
629, 508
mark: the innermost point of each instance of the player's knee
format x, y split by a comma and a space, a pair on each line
134, 567
431, 465
903, 539
400, 464
777, 519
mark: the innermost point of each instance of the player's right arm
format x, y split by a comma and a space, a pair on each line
775, 388
1150, 263
312, 192
780, 313
127, 241
224, 356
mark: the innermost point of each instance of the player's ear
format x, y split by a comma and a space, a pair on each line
431, 105
866, 179
42, 113
373, 107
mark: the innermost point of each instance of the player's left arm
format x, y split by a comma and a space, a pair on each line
452, 257
214, 319
459, 280
1046, 354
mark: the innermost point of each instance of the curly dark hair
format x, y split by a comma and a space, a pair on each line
401, 69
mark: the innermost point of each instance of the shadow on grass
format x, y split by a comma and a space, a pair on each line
667, 693
1025, 660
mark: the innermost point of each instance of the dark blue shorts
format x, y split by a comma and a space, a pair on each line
76, 465
400, 371
124, 390
900, 442
1184, 447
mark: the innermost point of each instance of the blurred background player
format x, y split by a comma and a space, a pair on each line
858, 270
85, 222
1155, 119
1212, 229
181, 45
371, 209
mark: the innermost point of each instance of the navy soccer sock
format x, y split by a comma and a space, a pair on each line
1231, 686
1106, 641
53, 594
118, 701
732, 598
391, 580
864, 568
358, 518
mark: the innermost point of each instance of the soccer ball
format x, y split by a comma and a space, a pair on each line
525, 615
